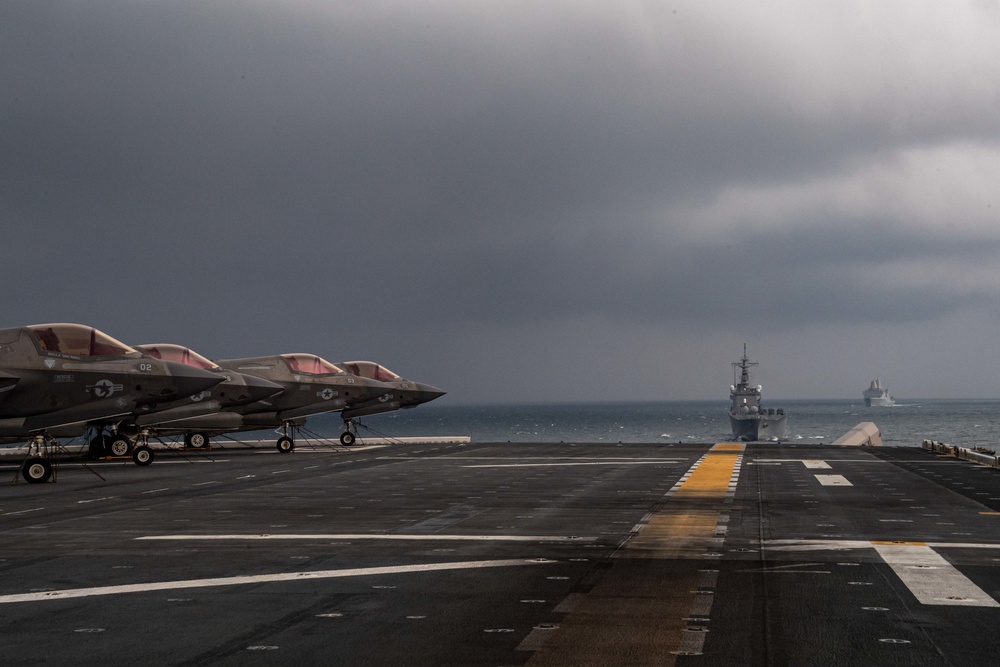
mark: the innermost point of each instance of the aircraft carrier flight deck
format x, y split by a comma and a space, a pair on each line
506, 554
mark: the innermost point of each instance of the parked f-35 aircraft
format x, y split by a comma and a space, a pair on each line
404, 394
68, 375
235, 389
311, 385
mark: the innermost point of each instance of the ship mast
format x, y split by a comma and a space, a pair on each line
744, 365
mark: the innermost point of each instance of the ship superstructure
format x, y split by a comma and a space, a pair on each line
878, 396
749, 419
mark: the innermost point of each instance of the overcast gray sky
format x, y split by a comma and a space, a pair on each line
517, 201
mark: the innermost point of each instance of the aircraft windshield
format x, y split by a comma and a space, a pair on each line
180, 354
370, 370
310, 363
79, 340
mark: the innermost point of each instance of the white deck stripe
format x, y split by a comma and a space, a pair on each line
879, 461
832, 545
833, 480
815, 464
261, 578
34, 509
962, 545
932, 579
587, 463
379, 536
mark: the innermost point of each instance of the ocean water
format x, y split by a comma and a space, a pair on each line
971, 423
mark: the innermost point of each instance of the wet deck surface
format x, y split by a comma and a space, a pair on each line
513, 554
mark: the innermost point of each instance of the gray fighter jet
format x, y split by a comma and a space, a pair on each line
235, 389
404, 394
69, 375
311, 385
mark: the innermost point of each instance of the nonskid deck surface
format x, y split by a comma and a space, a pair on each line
512, 554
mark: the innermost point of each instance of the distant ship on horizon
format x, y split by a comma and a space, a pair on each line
878, 396
749, 420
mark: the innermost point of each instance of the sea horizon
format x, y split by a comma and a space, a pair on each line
972, 422
968, 422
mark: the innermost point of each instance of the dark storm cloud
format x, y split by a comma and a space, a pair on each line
760, 279
380, 175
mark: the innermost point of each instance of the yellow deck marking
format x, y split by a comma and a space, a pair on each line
641, 608
710, 479
673, 532
675, 535
990, 513
900, 543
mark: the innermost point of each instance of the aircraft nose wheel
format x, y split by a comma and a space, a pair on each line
347, 439
142, 455
285, 444
36, 470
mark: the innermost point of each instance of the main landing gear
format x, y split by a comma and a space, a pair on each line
196, 440
109, 444
119, 445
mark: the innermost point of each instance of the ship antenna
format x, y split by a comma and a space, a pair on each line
743, 364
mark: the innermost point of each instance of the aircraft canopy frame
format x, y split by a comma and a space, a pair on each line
181, 355
371, 370
79, 340
310, 364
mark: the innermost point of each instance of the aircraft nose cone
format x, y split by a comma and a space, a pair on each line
426, 392
188, 380
258, 388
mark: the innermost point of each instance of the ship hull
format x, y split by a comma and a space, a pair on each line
755, 428
879, 402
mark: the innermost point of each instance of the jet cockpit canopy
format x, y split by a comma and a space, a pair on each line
79, 340
311, 365
370, 370
180, 354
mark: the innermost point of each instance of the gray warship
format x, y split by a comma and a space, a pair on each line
878, 396
749, 420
